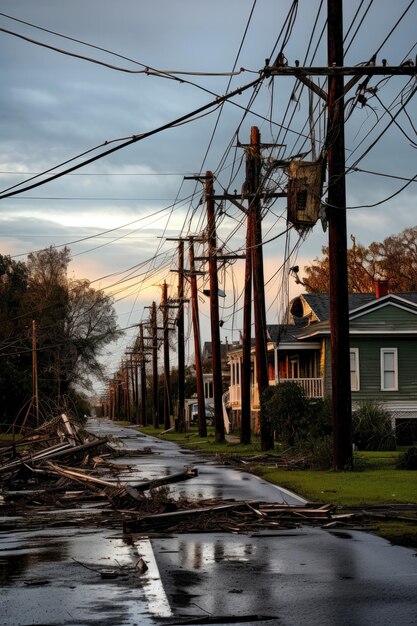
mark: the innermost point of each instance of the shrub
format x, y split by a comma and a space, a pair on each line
406, 431
372, 428
319, 419
408, 459
286, 407
318, 451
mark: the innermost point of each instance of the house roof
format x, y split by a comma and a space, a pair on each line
284, 333
359, 304
320, 305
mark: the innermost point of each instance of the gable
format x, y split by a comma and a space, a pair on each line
388, 315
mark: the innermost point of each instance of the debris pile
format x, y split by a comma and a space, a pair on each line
62, 466
63, 469
58, 438
230, 516
287, 460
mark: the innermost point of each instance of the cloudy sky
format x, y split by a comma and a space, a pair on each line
117, 212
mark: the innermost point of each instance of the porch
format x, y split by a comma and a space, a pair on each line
313, 388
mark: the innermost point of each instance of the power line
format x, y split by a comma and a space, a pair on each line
133, 139
170, 74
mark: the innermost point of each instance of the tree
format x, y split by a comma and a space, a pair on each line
47, 303
15, 355
73, 323
394, 260
90, 324
360, 272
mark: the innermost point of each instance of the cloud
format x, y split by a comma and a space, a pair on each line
55, 107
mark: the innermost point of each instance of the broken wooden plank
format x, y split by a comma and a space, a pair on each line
167, 519
189, 472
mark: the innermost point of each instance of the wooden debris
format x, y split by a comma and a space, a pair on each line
239, 517
189, 472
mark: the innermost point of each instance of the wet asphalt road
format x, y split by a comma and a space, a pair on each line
294, 577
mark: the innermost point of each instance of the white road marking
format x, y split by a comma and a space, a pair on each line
153, 588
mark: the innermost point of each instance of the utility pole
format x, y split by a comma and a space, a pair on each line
131, 365
245, 418
339, 306
336, 201
35, 390
126, 391
154, 334
214, 312
136, 386
142, 376
261, 352
202, 425
181, 346
167, 378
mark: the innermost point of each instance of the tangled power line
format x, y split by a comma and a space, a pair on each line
130, 281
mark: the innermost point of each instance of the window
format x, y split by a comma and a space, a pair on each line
354, 369
389, 369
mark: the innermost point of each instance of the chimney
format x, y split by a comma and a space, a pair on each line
381, 288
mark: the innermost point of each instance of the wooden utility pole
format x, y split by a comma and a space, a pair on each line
35, 389
180, 419
214, 312
245, 418
336, 201
339, 306
142, 376
167, 378
202, 425
154, 334
180, 426
126, 391
132, 365
261, 351
136, 386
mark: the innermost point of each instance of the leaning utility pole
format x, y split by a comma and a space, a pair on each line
214, 312
261, 350
202, 425
339, 305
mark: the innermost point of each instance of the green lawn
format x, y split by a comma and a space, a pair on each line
375, 480
376, 484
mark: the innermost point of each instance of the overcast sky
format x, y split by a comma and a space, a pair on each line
55, 107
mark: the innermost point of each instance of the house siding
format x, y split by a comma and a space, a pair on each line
390, 317
327, 352
370, 370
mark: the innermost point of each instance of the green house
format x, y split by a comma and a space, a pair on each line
383, 349
383, 354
